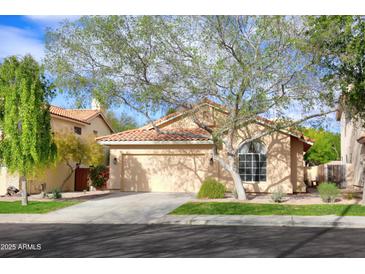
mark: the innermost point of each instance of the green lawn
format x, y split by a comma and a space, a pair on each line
33, 206
215, 208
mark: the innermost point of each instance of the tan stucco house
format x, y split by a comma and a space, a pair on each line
85, 123
144, 160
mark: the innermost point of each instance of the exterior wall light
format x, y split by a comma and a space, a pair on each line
115, 161
211, 161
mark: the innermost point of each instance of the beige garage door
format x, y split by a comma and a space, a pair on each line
163, 173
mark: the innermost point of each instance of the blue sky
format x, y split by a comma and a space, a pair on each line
25, 34
20, 35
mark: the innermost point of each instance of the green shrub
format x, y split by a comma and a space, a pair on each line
211, 189
278, 195
99, 175
328, 192
56, 194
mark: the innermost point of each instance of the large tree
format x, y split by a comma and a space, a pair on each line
252, 65
338, 45
27, 146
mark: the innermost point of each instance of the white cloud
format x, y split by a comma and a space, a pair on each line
16, 41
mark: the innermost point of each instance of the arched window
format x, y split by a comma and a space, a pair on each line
252, 162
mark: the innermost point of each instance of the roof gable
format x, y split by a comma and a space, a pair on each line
79, 115
65, 113
174, 117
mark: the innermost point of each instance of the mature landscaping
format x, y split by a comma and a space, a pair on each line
234, 208
33, 206
279, 72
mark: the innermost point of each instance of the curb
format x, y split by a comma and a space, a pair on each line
213, 220
253, 220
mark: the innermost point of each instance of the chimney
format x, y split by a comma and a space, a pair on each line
95, 104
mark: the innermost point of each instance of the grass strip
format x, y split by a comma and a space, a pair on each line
33, 206
232, 208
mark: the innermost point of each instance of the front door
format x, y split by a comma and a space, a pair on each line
81, 178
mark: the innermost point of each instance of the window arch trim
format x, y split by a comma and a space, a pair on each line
252, 162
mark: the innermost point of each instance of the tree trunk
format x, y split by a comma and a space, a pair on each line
363, 181
23, 182
241, 194
362, 178
68, 176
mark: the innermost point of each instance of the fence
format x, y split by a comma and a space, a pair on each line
335, 173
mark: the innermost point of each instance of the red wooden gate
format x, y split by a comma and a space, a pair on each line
81, 178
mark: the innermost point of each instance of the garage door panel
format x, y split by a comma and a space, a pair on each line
163, 173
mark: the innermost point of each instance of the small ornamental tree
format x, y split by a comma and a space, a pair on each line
74, 151
27, 144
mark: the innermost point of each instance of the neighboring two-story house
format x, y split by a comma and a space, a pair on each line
85, 123
352, 148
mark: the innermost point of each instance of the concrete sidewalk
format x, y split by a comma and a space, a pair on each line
253, 220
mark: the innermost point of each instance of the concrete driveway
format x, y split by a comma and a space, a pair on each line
116, 208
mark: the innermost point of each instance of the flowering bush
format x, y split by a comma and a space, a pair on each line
99, 175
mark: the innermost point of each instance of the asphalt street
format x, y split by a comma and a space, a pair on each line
112, 240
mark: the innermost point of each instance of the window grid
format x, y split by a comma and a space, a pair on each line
77, 130
252, 167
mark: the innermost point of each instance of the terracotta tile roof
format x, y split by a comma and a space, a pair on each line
83, 114
183, 134
80, 115
148, 133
